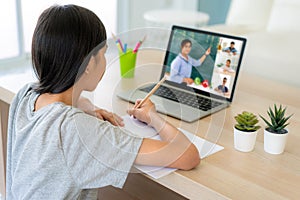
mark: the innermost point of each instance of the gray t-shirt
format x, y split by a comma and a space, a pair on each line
59, 152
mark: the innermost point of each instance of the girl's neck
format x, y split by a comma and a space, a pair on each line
68, 97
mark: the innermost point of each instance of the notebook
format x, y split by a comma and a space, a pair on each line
202, 69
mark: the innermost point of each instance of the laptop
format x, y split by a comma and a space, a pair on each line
202, 68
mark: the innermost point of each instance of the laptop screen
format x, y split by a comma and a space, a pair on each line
205, 62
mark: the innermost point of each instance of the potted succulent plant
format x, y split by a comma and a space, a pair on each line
245, 131
275, 134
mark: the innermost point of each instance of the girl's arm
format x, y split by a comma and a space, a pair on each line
175, 150
86, 106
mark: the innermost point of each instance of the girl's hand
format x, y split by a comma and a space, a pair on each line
145, 113
105, 115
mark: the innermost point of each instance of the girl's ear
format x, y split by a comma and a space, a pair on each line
90, 64
87, 70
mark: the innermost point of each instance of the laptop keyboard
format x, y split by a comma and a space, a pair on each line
194, 101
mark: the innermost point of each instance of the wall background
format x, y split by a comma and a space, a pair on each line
217, 10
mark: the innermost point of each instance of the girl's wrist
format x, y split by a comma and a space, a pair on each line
156, 122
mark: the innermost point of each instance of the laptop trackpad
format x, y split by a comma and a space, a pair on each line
166, 106
176, 109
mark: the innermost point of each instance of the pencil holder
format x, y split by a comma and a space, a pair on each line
127, 63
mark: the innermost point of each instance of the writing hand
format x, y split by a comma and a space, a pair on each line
143, 113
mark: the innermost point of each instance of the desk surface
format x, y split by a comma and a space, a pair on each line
228, 173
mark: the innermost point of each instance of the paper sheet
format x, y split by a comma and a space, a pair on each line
204, 147
138, 128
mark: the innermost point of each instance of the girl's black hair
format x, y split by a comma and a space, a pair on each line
64, 39
185, 41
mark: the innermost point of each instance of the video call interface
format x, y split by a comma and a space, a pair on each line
203, 61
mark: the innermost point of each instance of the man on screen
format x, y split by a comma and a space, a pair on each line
181, 66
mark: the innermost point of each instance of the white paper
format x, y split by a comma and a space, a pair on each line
138, 128
141, 129
204, 147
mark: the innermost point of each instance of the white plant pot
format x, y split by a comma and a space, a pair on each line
244, 141
274, 143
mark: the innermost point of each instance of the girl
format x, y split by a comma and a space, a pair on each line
59, 147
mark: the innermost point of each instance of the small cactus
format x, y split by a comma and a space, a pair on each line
246, 121
278, 121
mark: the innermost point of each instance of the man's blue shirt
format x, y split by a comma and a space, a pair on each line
182, 68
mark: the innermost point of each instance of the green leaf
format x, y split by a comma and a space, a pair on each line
239, 127
283, 120
257, 127
271, 114
281, 114
239, 119
272, 117
253, 121
275, 108
266, 121
282, 127
277, 118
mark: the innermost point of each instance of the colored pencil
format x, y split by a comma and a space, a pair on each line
139, 44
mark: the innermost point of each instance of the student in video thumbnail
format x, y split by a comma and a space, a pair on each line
222, 88
231, 49
181, 66
227, 67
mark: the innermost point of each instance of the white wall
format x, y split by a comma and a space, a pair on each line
130, 12
272, 31
31, 9
8, 30
105, 10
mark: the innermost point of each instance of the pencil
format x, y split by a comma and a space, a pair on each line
151, 92
121, 45
114, 37
118, 42
139, 44
125, 48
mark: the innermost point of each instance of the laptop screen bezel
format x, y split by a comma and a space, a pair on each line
201, 92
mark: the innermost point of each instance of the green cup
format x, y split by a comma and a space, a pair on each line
127, 63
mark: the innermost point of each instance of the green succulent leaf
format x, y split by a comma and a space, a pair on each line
246, 121
275, 108
272, 117
281, 114
278, 121
271, 113
266, 121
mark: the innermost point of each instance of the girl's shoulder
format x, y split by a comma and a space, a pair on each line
28, 88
